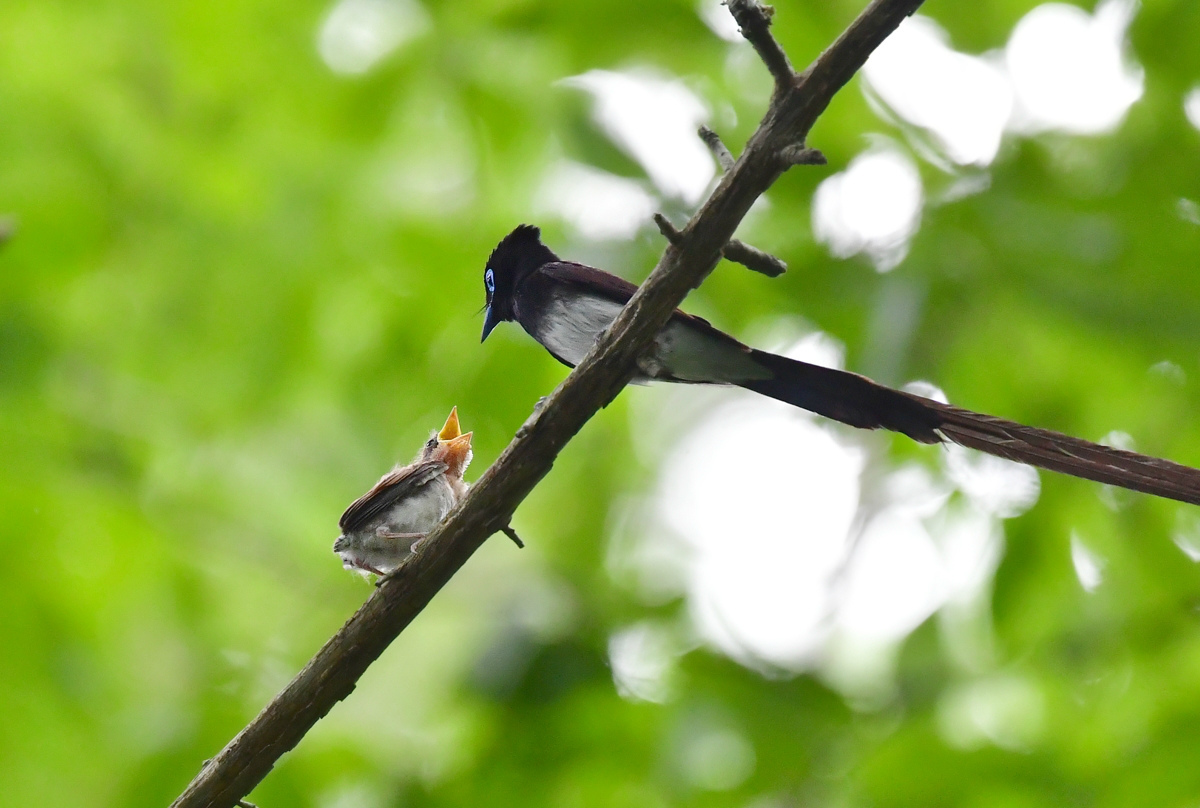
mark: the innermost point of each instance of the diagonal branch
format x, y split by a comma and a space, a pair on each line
819, 82
331, 674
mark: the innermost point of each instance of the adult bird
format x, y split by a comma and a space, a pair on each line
565, 306
383, 527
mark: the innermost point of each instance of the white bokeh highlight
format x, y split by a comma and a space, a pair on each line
963, 101
766, 531
1187, 535
1068, 68
994, 485
873, 207
1189, 543
358, 34
1188, 210
765, 498
895, 580
642, 657
789, 557
1062, 70
1006, 711
717, 759
971, 543
598, 205
1191, 106
1089, 566
718, 19
654, 120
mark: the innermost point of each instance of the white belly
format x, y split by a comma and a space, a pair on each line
418, 513
421, 512
572, 322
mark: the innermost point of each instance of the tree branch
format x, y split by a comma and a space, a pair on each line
755, 21
752, 258
797, 155
819, 82
332, 673
668, 230
723, 156
737, 251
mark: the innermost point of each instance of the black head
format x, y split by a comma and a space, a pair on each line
519, 254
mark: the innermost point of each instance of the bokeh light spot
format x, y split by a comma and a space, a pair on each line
1068, 68
717, 759
1191, 106
964, 101
872, 207
718, 19
1089, 567
654, 120
358, 34
642, 658
1005, 711
597, 204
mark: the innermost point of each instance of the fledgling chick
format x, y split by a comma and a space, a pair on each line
383, 527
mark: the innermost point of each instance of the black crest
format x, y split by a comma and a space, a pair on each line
518, 254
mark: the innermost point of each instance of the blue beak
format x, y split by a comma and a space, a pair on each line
490, 321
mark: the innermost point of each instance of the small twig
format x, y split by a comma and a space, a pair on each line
245, 804
667, 229
755, 21
512, 534
711, 139
800, 155
753, 258
735, 250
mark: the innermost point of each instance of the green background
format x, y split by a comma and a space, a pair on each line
223, 314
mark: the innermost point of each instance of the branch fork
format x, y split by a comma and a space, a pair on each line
737, 251
754, 20
734, 250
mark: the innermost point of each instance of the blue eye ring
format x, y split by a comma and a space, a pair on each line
489, 280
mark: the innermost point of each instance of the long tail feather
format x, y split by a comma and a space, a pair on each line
845, 397
1062, 453
858, 401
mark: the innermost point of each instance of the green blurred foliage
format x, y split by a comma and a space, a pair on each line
241, 286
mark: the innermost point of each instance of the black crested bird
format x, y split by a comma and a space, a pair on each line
382, 528
565, 306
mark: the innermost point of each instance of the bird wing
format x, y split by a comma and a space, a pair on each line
592, 280
392, 487
617, 289
689, 349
